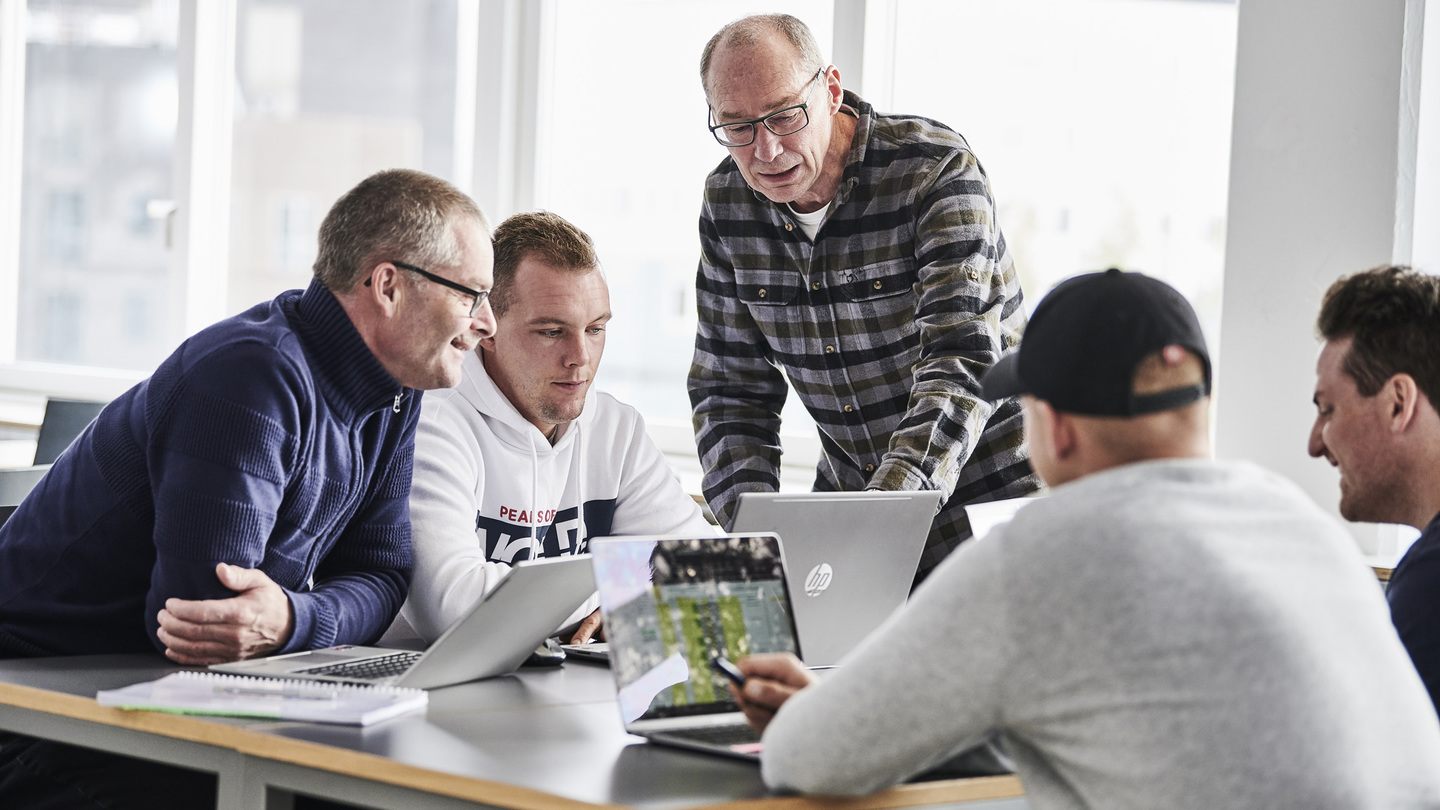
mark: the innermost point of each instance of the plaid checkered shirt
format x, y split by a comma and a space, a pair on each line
883, 324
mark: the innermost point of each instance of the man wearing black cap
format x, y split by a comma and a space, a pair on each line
1163, 630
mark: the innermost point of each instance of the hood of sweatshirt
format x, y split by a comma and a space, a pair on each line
508, 425
515, 432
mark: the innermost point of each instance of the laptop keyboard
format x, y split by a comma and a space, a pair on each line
718, 735
371, 669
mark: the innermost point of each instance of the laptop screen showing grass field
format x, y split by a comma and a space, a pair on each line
671, 605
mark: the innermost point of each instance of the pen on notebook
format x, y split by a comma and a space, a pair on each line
257, 691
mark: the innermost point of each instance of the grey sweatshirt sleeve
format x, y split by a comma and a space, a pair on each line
922, 688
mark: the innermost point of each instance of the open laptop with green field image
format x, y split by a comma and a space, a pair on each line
671, 605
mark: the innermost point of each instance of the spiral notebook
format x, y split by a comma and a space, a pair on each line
267, 698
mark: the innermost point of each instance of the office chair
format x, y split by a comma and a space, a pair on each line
15, 484
64, 419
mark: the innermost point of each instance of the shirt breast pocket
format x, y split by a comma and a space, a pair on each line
879, 281
766, 288
878, 302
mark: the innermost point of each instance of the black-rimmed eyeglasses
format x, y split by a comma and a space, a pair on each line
784, 121
480, 296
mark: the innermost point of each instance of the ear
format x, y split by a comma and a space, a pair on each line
1401, 396
1055, 428
383, 288
834, 90
1063, 438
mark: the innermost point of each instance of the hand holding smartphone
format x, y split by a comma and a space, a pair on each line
732, 673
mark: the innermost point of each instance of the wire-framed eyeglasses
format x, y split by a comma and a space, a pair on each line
784, 121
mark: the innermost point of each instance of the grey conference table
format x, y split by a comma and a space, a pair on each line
539, 739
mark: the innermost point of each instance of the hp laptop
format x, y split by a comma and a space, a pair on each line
851, 558
671, 605
494, 638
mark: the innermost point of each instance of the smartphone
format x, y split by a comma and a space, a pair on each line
732, 673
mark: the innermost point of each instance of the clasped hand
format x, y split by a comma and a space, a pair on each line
255, 621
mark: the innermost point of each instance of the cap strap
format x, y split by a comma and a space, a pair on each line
1166, 400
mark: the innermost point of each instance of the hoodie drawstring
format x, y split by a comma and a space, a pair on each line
577, 474
535, 549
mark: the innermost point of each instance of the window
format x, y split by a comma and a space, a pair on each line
99, 135
329, 91
635, 186
1104, 126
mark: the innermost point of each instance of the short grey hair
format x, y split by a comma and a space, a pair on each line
393, 215
747, 31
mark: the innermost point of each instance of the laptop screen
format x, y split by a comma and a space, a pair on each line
673, 604
986, 516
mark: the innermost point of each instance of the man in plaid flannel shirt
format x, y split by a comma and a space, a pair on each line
859, 254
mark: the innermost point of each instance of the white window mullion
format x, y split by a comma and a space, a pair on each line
200, 239
12, 136
467, 78
536, 75
864, 48
1423, 94
506, 107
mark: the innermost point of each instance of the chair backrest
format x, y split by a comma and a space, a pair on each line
16, 483
64, 419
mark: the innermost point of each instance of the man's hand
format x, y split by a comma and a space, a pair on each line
590, 627
255, 621
770, 680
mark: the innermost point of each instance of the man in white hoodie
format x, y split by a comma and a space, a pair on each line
522, 459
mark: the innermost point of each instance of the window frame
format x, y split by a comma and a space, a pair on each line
505, 69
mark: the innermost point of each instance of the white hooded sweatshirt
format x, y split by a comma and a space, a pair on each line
489, 490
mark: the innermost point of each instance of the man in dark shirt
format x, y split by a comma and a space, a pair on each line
855, 257
1376, 391
250, 496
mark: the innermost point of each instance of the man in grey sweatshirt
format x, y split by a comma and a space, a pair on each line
1163, 630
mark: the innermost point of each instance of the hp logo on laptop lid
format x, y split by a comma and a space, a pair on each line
818, 579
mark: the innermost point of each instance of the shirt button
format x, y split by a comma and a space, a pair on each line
878, 285
815, 285
762, 292
829, 349
848, 408
789, 227
870, 468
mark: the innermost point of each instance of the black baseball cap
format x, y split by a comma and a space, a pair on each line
1087, 336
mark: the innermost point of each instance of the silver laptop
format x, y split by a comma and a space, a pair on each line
672, 604
851, 558
494, 638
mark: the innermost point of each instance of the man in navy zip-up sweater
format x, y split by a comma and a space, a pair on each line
251, 496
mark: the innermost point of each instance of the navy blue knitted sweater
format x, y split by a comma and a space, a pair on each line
271, 440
